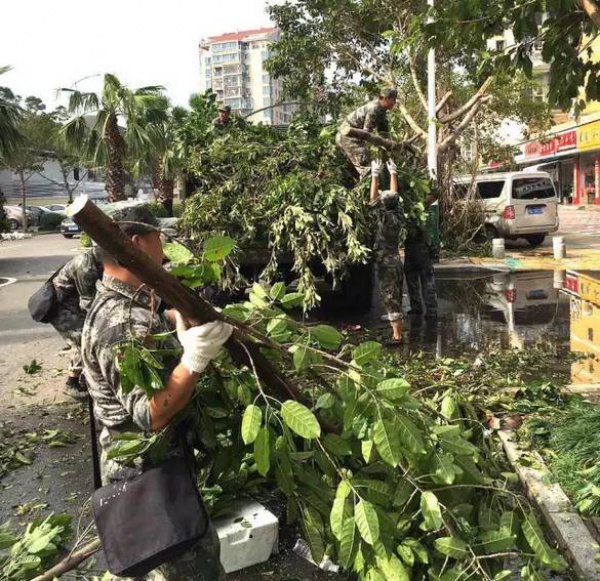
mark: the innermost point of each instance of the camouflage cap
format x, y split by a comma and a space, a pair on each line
133, 219
226, 108
389, 93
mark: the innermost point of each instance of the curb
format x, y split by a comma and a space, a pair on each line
560, 515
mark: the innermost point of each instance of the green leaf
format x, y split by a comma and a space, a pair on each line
365, 352
392, 568
176, 252
314, 531
218, 247
393, 389
291, 300
337, 445
432, 514
449, 406
409, 434
367, 521
457, 445
302, 357
444, 468
387, 442
277, 291
259, 291
300, 420
251, 422
535, 538
337, 517
325, 401
262, 451
7, 540
367, 448
418, 549
349, 542
503, 575
328, 337
500, 541
451, 547
22, 458
406, 554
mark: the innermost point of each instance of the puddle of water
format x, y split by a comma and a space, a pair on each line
507, 311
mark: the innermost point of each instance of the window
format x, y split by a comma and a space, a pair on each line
266, 101
255, 45
500, 45
266, 90
538, 94
489, 190
532, 188
264, 55
266, 79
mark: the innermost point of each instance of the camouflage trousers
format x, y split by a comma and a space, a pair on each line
73, 339
420, 279
200, 563
389, 282
356, 151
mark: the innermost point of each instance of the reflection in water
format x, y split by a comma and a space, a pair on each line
584, 288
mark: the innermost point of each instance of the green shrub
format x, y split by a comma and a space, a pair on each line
86, 241
158, 210
51, 221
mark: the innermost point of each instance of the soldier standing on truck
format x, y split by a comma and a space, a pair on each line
390, 219
369, 117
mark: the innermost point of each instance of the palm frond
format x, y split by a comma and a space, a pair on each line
80, 102
150, 90
76, 134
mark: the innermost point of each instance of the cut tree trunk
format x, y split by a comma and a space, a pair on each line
166, 195
379, 141
243, 349
115, 178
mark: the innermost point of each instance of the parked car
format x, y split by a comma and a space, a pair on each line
516, 204
68, 228
56, 208
14, 215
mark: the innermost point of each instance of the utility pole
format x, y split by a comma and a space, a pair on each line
434, 209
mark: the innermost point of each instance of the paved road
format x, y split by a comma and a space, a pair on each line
30, 262
580, 227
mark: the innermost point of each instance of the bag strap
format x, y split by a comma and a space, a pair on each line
94, 442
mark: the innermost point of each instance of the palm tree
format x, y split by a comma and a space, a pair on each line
95, 129
10, 117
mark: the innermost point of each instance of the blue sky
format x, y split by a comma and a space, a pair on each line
54, 43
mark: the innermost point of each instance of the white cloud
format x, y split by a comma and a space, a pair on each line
52, 44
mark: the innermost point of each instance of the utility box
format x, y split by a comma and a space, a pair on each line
248, 535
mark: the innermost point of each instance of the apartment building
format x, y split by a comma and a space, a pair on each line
232, 65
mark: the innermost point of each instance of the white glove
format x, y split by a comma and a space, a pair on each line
375, 168
201, 344
392, 167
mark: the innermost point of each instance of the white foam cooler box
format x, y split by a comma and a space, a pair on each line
248, 534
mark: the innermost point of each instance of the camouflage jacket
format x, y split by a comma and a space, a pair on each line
390, 221
75, 286
369, 117
120, 313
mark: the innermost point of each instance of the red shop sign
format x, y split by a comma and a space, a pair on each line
532, 149
548, 147
567, 140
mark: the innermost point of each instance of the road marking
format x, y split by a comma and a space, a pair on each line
8, 281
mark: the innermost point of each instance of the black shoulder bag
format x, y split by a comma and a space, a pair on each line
149, 519
43, 302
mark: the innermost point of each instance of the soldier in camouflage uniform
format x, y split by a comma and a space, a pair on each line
75, 287
387, 242
370, 117
124, 310
418, 269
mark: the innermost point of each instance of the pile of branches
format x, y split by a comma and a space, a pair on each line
288, 193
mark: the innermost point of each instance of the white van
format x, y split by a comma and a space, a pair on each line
517, 204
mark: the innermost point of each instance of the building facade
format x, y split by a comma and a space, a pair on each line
232, 65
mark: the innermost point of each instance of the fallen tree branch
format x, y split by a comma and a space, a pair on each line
462, 125
109, 237
443, 101
379, 141
72, 561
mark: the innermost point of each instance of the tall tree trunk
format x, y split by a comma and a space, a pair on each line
157, 171
115, 179
65, 175
167, 187
23, 198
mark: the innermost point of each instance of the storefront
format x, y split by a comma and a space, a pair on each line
572, 157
